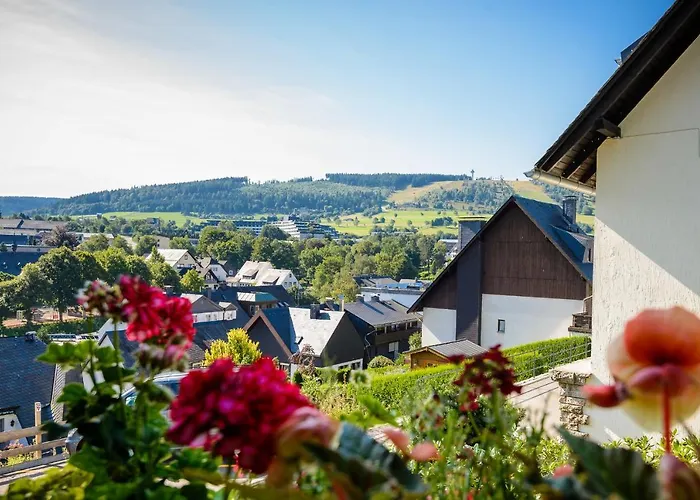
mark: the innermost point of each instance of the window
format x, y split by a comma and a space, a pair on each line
2, 424
393, 349
501, 326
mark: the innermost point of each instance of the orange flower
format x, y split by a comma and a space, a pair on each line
656, 366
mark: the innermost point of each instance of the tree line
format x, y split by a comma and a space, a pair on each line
228, 197
479, 196
391, 181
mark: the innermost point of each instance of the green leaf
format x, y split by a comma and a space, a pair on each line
72, 394
112, 374
65, 355
366, 463
55, 430
194, 491
612, 471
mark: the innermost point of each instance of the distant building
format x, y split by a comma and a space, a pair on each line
295, 227
386, 325
263, 273
182, 260
405, 292
282, 332
27, 381
521, 278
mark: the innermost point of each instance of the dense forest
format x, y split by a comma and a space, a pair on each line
227, 197
394, 182
479, 196
15, 204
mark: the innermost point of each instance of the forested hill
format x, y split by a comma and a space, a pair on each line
228, 196
15, 204
392, 181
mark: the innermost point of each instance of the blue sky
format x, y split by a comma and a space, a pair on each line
125, 93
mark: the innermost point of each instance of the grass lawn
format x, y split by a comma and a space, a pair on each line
401, 217
411, 194
529, 190
178, 217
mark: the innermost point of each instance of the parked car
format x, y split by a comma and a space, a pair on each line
170, 381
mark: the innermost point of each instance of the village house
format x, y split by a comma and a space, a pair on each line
635, 147
26, 382
405, 291
264, 273
386, 325
180, 259
519, 279
439, 354
212, 321
282, 332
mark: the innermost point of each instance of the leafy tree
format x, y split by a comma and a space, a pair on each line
192, 282
438, 257
236, 249
284, 256
237, 347
415, 341
262, 249
5, 276
90, 268
113, 261
380, 362
182, 243
61, 271
162, 273
137, 266
95, 243
121, 244
145, 244
273, 233
209, 237
29, 291
3, 247
61, 237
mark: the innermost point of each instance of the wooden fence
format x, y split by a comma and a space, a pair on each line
45, 453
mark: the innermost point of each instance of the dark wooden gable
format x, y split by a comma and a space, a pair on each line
519, 260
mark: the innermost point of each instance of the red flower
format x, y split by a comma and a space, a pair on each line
485, 374
178, 324
235, 412
143, 308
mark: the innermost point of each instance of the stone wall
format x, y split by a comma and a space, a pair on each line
572, 403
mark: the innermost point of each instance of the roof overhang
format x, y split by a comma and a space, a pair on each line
573, 157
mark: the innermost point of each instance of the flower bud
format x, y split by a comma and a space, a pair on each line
606, 396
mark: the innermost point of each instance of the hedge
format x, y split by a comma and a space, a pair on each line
394, 389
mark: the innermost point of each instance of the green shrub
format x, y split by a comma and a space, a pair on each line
537, 358
379, 362
342, 376
43, 330
298, 378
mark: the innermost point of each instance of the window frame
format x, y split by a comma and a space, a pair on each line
501, 326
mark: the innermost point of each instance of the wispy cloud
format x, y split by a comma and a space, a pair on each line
83, 111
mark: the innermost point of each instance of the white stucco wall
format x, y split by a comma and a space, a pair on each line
439, 325
528, 319
647, 229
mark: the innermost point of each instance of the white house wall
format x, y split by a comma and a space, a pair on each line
647, 226
528, 319
439, 325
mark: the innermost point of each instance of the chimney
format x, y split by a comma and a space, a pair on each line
568, 206
341, 297
314, 310
169, 290
330, 303
360, 298
209, 293
30, 336
467, 230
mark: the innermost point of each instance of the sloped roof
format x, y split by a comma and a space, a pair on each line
380, 312
230, 293
201, 304
454, 348
13, 262
206, 334
256, 297
549, 218
24, 379
172, 255
373, 280
573, 155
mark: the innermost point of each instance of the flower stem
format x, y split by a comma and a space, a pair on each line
227, 487
119, 371
667, 419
